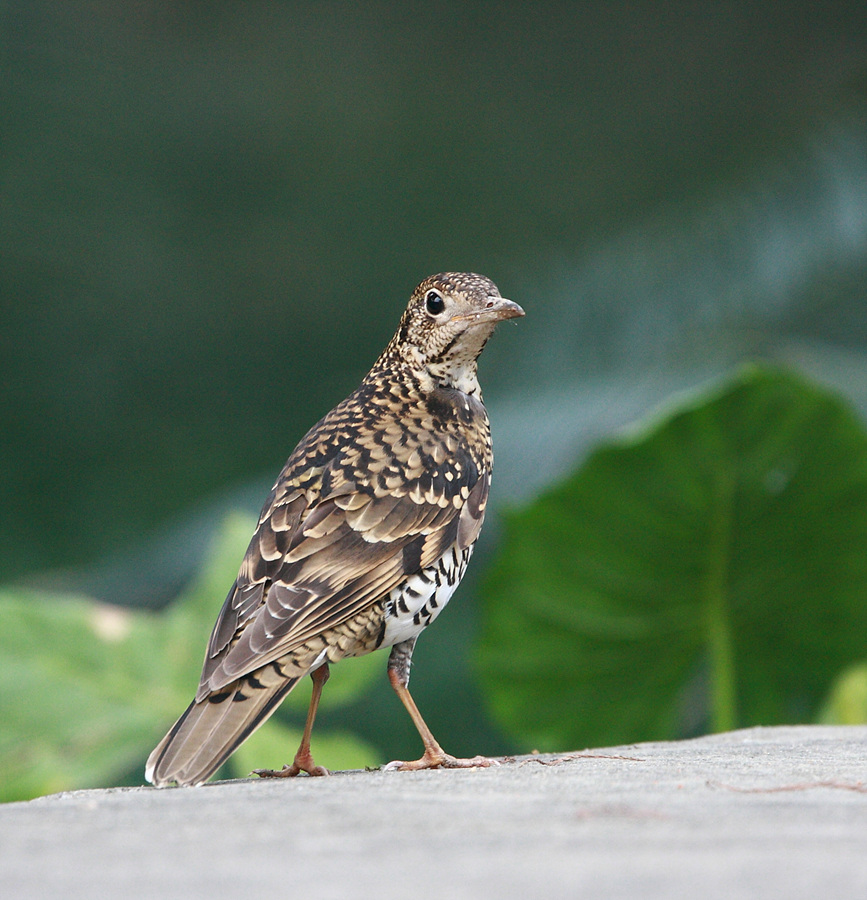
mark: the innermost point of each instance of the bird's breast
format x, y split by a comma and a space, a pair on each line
415, 603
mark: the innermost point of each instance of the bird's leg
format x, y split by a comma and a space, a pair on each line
434, 756
303, 761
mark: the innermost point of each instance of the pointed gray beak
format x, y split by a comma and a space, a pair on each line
496, 309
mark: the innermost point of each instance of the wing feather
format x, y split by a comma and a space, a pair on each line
311, 567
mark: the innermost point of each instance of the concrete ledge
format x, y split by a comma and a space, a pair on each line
770, 812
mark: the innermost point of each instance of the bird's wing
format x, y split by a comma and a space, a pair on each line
310, 567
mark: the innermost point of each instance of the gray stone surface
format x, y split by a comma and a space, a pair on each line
767, 812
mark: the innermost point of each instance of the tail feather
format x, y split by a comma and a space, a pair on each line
210, 730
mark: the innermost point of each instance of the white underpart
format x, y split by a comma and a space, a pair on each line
411, 607
319, 660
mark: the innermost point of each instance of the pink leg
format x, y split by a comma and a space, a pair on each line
434, 756
303, 761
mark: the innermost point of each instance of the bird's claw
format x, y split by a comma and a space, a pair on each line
439, 761
292, 771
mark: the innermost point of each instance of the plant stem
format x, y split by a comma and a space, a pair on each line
723, 700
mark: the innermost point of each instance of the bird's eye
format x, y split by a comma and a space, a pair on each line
434, 303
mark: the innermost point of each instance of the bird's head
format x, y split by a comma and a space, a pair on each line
449, 319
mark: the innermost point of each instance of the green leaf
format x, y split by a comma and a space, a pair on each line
274, 745
847, 700
64, 719
87, 689
709, 570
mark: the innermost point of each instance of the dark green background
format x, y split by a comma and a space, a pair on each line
212, 215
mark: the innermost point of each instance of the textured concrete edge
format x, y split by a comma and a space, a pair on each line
771, 736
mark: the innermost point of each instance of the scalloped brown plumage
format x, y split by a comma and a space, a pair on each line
362, 539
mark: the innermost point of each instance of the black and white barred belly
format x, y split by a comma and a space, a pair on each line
411, 607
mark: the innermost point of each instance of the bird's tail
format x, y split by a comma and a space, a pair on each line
210, 730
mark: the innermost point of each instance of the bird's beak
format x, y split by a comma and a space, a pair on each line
497, 309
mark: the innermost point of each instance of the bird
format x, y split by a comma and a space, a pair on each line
361, 542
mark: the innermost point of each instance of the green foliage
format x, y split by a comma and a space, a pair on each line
274, 744
847, 700
709, 570
87, 689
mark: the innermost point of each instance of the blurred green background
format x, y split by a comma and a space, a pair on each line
211, 216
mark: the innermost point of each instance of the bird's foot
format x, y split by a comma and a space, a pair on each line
441, 760
290, 771
303, 763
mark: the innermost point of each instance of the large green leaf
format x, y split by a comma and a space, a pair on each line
87, 689
709, 570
